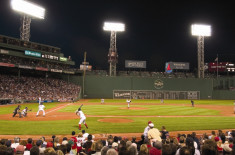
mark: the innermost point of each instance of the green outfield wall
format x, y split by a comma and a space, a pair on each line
103, 86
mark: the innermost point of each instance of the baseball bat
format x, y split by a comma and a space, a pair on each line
80, 106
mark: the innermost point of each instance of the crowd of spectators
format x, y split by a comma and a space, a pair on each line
83, 143
32, 62
31, 88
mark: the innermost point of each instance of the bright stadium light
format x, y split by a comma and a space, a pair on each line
28, 8
113, 55
110, 26
201, 31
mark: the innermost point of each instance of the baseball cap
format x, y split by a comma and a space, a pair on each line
151, 125
216, 139
114, 144
70, 142
149, 122
20, 148
64, 142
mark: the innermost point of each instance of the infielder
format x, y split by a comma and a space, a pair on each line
41, 108
80, 114
128, 103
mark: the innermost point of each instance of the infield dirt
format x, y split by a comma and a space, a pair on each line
53, 114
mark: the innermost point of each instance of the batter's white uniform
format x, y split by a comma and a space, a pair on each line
82, 117
41, 108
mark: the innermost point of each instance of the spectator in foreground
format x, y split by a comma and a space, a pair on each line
19, 150
146, 130
154, 134
29, 145
209, 147
164, 133
34, 150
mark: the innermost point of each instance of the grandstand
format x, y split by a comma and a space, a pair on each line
29, 70
24, 58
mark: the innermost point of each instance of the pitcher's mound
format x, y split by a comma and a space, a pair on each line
115, 120
134, 108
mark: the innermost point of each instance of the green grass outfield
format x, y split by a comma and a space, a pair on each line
207, 119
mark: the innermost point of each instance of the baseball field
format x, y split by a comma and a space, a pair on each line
114, 117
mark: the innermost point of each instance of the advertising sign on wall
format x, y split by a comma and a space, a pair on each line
135, 64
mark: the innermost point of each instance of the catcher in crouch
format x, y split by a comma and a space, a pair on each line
80, 114
25, 111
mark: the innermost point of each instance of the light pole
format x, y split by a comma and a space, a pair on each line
113, 55
28, 11
201, 31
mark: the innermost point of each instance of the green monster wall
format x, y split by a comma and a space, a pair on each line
103, 86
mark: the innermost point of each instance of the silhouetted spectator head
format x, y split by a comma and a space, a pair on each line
104, 150
89, 137
209, 147
3, 149
115, 139
185, 151
20, 149
39, 143
8, 143
34, 150
166, 149
73, 133
157, 145
68, 146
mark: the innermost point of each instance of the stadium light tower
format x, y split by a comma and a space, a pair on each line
201, 31
28, 11
112, 55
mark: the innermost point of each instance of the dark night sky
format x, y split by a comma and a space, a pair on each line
156, 33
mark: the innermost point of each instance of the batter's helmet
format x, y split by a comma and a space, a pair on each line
79, 109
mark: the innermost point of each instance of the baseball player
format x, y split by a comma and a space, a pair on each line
17, 111
39, 100
25, 111
80, 114
192, 102
102, 101
41, 108
128, 103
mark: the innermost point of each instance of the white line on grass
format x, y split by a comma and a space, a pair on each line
58, 108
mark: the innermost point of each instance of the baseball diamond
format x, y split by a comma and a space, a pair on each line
120, 123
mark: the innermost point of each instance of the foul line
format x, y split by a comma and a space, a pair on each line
58, 108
